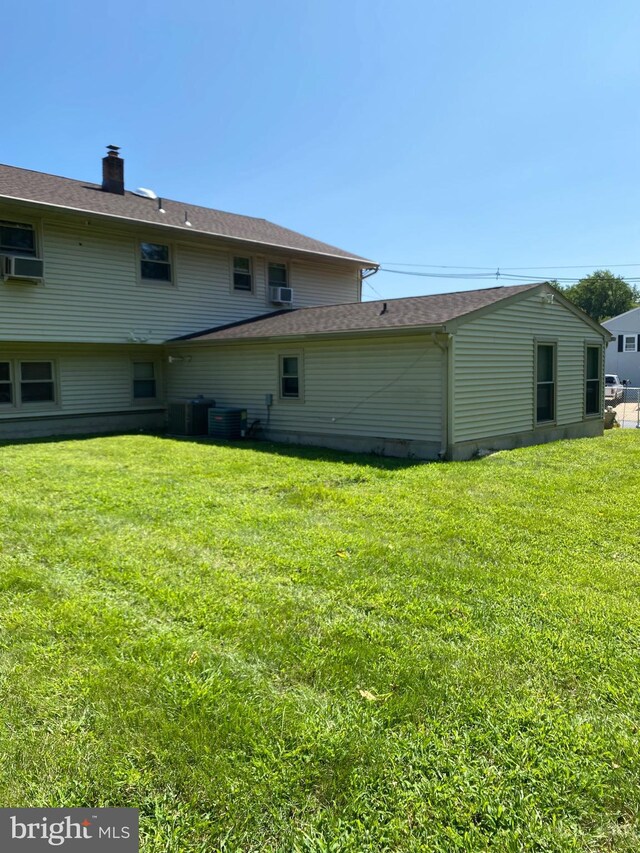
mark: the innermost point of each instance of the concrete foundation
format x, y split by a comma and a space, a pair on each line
44, 426
396, 447
467, 449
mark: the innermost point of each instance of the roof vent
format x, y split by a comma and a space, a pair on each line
113, 171
145, 193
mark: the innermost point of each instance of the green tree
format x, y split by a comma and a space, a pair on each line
602, 295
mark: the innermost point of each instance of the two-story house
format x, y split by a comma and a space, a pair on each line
121, 273
114, 302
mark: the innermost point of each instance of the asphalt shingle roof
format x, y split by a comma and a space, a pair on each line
417, 311
41, 188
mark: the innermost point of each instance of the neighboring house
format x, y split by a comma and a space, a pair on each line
623, 352
105, 294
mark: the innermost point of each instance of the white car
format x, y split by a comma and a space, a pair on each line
613, 389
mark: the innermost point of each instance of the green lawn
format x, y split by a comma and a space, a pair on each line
269, 649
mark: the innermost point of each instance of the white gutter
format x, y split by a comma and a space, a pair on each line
303, 336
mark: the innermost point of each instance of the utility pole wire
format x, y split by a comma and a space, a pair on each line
498, 274
549, 267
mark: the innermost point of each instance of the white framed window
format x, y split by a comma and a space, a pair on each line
155, 262
37, 382
545, 382
290, 375
18, 238
593, 379
242, 274
630, 343
26, 383
277, 274
144, 380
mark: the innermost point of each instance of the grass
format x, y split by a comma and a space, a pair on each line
271, 650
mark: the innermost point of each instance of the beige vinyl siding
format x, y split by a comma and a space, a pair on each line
94, 379
384, 386
323, 284
493, 386
92, 291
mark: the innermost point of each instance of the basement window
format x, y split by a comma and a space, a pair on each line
242, 278
155, 262
593, 380
37, 382
545, 383
17, 238
144, 380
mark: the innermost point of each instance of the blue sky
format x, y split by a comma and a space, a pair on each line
459, 133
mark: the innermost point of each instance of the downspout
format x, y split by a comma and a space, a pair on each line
447, 351
450, 377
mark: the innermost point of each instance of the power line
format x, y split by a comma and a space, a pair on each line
549, 267
498, 275
436, 266
443, 275
573, 267
368, 283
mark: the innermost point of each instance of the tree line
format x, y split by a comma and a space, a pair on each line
601, 295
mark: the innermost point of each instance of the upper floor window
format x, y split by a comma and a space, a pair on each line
593, 380
17, 238
242, 277
630, 343
155, 262
277, 275
545, 382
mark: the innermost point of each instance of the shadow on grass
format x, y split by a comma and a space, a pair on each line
299, 451
57, 439
291, 451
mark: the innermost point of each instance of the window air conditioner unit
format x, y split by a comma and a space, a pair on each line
282, 295
22, 268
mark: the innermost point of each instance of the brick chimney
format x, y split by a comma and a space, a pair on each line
113, 171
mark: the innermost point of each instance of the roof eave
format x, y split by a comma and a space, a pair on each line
114, 217
335, 334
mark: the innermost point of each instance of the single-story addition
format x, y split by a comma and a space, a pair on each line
443, 376
623, 352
